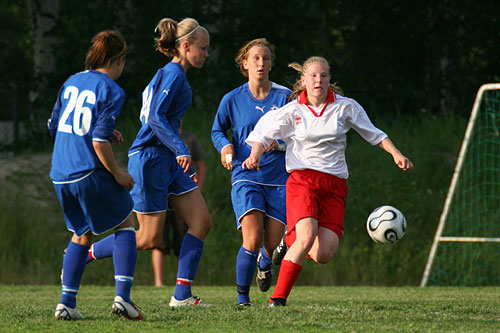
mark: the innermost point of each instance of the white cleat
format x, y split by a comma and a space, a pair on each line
124, 309
64, 312
190, 301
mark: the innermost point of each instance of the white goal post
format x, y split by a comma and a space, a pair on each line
451, 192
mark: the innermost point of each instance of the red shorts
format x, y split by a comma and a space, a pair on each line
311, 193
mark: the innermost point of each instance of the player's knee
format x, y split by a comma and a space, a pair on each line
206, 225
305, 242
252, 241
149, 244
324, 256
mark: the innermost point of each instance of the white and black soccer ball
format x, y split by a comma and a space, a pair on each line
386, 225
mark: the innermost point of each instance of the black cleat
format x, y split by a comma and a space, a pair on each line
278, 301
264, 277
279, 252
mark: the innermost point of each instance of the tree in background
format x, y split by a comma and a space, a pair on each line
398, 56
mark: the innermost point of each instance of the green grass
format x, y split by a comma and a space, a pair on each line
375, 309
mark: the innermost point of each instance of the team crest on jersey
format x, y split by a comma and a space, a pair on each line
298, 120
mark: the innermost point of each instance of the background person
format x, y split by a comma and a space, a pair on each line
159, 161
258, 196
175, 228
91, 188
314, 127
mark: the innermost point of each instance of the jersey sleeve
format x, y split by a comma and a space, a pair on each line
274, 125
163, 95
222, 123
111, 103
360, 122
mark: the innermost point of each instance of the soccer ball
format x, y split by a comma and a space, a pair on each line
386, 225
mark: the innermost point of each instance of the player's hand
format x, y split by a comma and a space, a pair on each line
184, 162
117, 137
125, 180
274, 145
226, 156
195, 179
403, 162
252, 162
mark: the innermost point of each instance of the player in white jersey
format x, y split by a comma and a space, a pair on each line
314, 127
92, 189
258, 196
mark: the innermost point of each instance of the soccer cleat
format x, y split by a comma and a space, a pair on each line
64, 312
190, 301
279, 252
278, 301
124, 309
244, 304
264, 277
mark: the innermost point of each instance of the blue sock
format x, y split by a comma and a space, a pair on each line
264, 262
124, 260
246, 262
103, 248
73, 266
189, 258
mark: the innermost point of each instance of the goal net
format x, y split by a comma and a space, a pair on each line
466, 246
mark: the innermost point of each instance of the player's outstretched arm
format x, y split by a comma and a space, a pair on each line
401, 161
105, 154
253, 161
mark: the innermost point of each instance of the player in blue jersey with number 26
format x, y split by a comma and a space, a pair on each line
160, 162
92, 190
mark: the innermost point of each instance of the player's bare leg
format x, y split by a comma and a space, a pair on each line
252, 228
273, 234
306, 231
150, 232
192, 209
157, 260
325, 246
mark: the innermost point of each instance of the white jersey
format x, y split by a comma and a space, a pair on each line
316, 137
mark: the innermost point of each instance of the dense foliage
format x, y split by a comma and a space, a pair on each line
392, 56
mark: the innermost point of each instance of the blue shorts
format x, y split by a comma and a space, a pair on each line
96, 203
269, 199
157, 175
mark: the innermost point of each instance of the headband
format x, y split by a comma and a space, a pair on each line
189, 33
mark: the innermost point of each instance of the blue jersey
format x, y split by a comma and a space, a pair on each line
86, 110
164, 102
239, 111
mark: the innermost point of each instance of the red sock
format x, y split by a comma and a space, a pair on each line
289, 272
91, 254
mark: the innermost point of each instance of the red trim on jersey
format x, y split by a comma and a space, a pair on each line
302, 99
183, 283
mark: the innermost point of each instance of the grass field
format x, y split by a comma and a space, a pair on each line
309, 309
